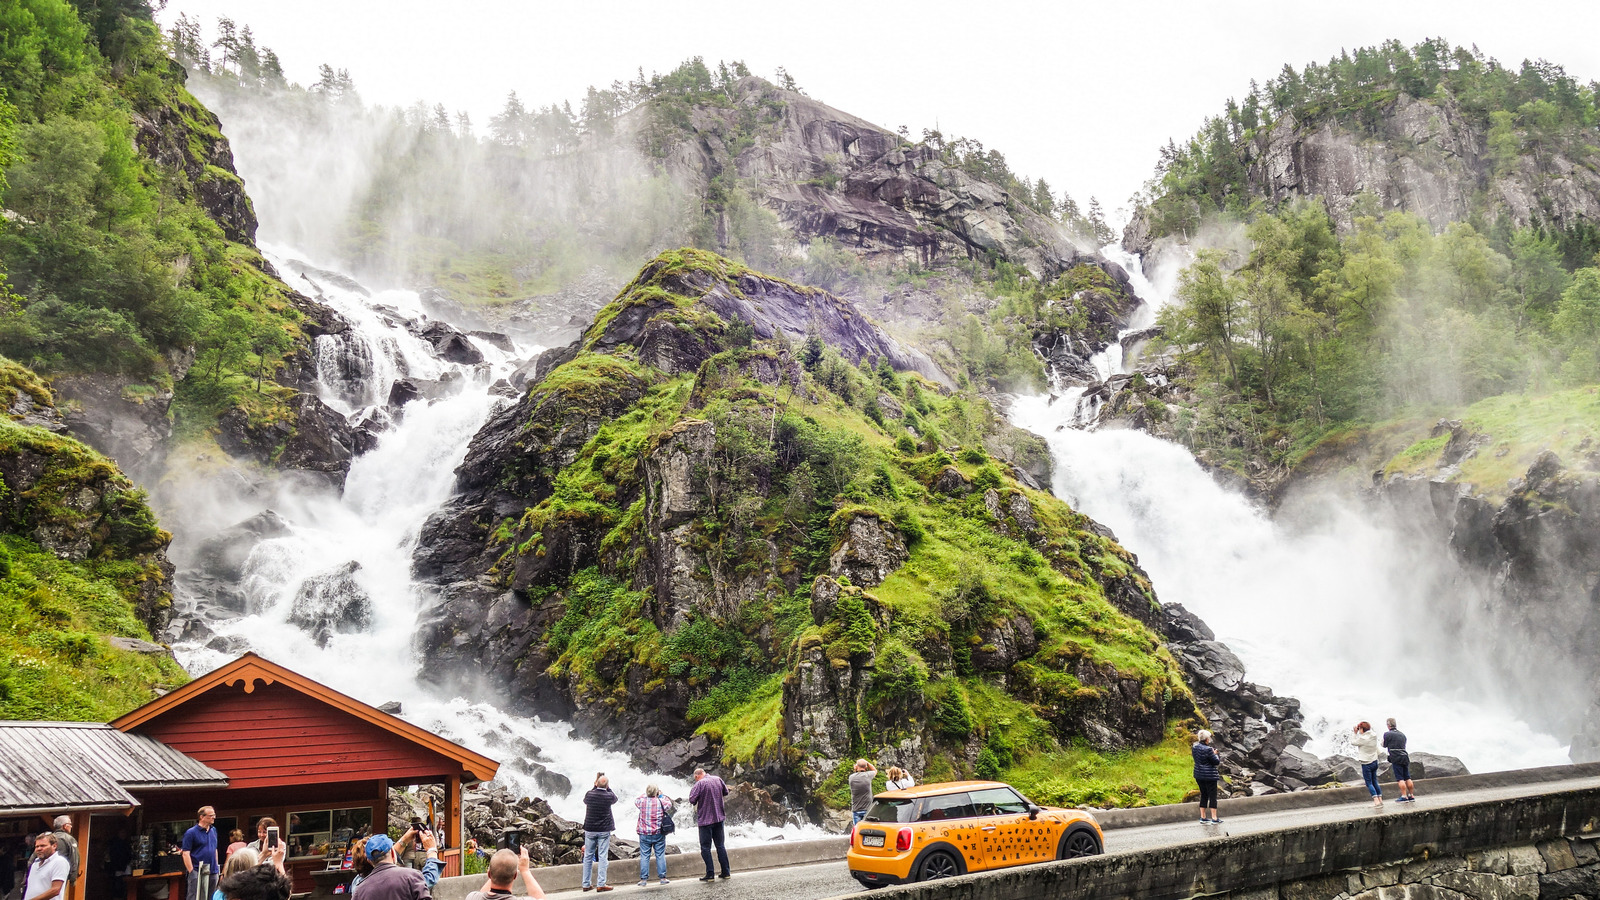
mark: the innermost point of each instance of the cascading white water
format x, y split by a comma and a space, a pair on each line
1333, 611
348, 558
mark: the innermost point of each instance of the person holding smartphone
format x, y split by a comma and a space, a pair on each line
598, 823
389, 881
504, 867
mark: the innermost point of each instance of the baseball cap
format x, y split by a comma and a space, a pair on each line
378, 845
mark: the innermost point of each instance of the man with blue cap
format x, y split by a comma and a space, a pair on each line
392, 882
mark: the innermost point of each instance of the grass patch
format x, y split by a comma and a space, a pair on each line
751, 732
55, 662
1080, 776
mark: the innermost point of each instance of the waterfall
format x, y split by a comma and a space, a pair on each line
1348, 614
330, 593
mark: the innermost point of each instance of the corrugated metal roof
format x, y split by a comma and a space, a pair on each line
78, 764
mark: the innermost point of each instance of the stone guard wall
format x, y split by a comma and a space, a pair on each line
1537, 848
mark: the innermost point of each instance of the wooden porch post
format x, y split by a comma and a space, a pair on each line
80, 830
380, 809
452, 812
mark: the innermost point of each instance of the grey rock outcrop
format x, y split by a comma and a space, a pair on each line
1428, 157
130, 426
869, 551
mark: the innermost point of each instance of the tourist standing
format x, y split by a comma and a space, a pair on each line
260, 843
67, 846
1207, 775
1394, 741
899, 780
861, 790
1367, 755
238, 861
47, 874
706, 795
597, 827
504, 867
388, 881
654, 810
200, 851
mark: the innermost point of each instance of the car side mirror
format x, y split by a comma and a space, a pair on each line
1033, 811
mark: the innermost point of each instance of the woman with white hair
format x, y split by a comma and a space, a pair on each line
1206, 775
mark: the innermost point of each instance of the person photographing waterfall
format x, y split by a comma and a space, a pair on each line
1367, 754
1394, 741
1206, 775
598, 823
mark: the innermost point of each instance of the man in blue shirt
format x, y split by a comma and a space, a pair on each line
200, 849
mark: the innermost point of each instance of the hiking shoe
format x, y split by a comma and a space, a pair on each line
725, 876
642, 882
709, 878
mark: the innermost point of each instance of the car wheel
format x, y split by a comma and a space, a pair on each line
1077, 843
938, 864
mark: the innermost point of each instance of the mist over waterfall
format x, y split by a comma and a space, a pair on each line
1326, 603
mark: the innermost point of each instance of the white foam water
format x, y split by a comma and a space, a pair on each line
375, 524
1335, 611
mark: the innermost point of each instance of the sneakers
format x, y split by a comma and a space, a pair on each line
663, 881
1216, 821
725, 876
642, 882
709, 878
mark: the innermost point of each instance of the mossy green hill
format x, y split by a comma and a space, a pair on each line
715, 528
82, 561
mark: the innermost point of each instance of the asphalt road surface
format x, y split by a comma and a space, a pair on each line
830, 879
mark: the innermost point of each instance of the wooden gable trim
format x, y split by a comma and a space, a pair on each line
251, 670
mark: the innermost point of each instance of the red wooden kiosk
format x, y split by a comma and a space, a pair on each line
317, 761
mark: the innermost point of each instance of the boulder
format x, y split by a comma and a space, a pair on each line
495, 339
951, 481
1303, 766
871, 549
331, 603
1213, 663
450, 344
1434, 765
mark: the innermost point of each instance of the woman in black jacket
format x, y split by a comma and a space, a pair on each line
1206, 775
597, 827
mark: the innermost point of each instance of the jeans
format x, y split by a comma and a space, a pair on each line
656, 843
1369, 774
596, 856
713, 834
856, 816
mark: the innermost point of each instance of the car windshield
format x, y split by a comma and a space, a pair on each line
891, 811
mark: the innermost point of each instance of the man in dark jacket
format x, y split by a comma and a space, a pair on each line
1394, 741
706, 795
597, 827
391, 882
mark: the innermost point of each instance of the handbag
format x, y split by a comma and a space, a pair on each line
667, 825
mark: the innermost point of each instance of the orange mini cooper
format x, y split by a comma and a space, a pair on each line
940, 830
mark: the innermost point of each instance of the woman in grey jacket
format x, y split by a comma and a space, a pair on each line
1367, 754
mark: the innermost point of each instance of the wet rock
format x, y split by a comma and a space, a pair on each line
450, 344
1303, 766
403, 391
748, 804
495, 339
870, 550
322, 441
1436, 765
1213, 663
220, 560
332, 603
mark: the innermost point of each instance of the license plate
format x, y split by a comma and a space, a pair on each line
871, 840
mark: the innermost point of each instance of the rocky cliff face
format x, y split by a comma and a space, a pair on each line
73, 502
624, 550
830, 174
1426, 157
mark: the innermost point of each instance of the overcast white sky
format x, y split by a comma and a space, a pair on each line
1082, 94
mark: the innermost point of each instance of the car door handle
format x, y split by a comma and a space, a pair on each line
988, 828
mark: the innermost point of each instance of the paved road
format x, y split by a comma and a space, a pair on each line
830, 879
